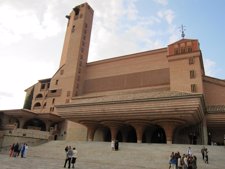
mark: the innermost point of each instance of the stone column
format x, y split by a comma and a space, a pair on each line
114, 127
139, 132
114, 131
22, 122
91, 128
139, 128
91, 132
204, 132
47, 125
169, 130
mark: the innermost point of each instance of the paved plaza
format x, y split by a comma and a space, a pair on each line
98, 155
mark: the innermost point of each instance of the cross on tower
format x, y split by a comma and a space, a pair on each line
182, 29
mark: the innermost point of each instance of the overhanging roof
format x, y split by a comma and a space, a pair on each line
152, 106
25, 113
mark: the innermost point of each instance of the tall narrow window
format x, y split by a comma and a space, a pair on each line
189, 49
73, 28
193, 88
182, 50
42, 86
56, 82
191, 60
51, 109
61, 72
192, 74
53, 101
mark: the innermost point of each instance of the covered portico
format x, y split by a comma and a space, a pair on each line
165, 111
216, 124
26, 119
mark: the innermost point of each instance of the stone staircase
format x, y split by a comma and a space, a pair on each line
98, 155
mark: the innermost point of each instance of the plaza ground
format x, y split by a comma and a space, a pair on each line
98, 155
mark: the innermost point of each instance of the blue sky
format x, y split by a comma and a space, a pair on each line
32, 34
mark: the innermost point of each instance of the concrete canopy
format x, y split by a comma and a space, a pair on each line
154, 107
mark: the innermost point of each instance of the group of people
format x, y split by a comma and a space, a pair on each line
17, 149
205, 156
186, 161
71, 156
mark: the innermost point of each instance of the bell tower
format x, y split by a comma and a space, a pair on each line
75, 49
186, 66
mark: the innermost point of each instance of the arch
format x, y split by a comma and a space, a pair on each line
99, 134
107, 135
187, 135
37, 105
15, 121
147, 135
158, 135
131, 137
119, 136
35, 124
39, 96
102, 134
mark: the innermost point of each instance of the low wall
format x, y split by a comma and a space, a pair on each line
30, 133
29, 136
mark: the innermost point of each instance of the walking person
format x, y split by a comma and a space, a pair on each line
189, 151
173, 162
15, 150
19, 149
206, 156
11, 150
185, 162
22, 150
25, 151
170, 159
74, 157
194, 162
113, 145
69, 155
203, 153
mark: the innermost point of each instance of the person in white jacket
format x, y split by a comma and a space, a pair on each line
74, 157
185, 162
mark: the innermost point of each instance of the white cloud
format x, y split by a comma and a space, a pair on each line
131, 10
30, 38
161, 2
124, 30
168, 15
20, 22
210, 67
173, 34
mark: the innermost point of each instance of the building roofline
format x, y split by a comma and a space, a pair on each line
133, 55
214, 80
183, 40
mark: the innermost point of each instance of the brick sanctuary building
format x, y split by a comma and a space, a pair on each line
157, 96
